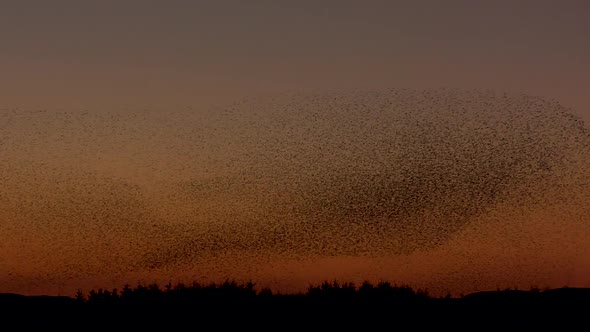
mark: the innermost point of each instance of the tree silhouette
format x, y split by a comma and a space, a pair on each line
333, 304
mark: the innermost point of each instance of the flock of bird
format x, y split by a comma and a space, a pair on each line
297, 175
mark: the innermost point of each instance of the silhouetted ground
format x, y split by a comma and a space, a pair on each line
331, 306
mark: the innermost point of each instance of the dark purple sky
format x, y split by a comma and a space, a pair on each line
161, 54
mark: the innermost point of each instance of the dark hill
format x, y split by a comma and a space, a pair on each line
329, 305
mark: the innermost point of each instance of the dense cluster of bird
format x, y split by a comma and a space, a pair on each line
356, 173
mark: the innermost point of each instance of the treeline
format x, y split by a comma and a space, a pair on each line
329, 305
231, 291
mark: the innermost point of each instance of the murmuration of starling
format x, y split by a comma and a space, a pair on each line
358, 173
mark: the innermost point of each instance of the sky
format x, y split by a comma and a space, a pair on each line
161, 54
120, 162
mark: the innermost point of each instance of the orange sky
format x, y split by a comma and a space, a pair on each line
179, 56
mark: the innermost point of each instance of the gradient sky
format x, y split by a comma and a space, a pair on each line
172, 56
160, 54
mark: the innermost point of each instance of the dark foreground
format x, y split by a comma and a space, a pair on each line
330, 306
